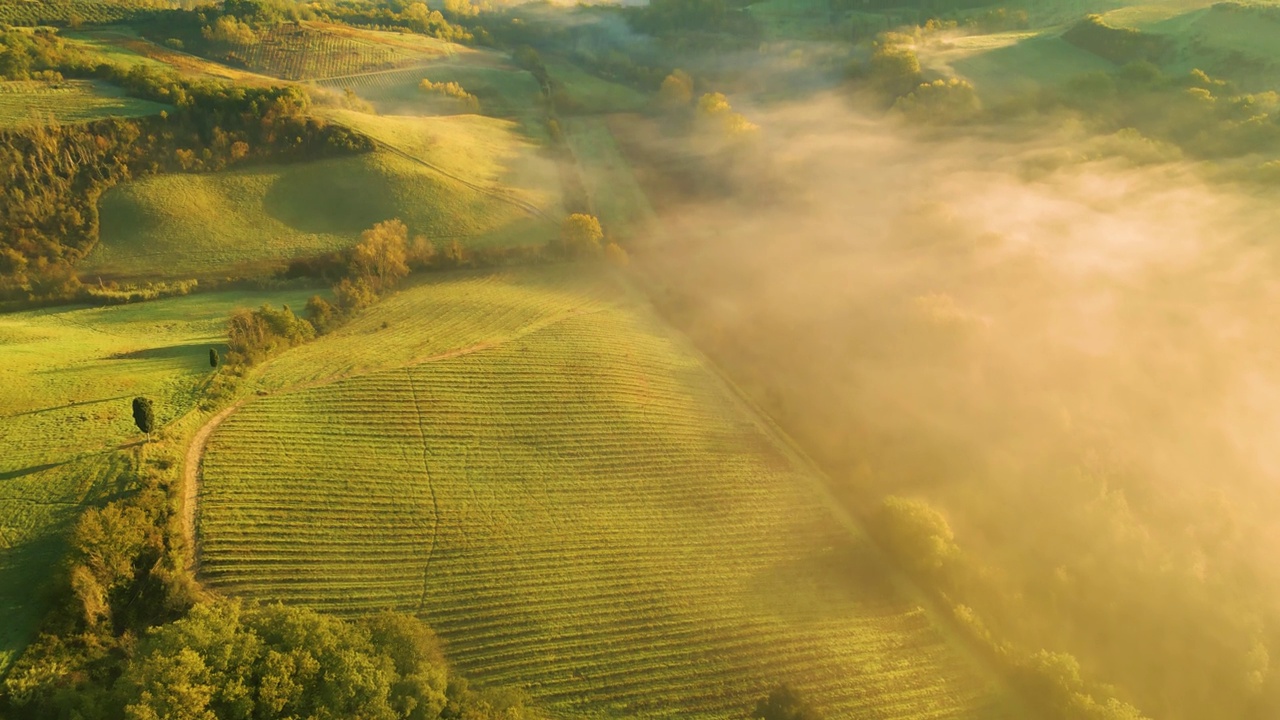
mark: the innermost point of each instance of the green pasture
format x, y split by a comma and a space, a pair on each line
67, 379
1001, 65
612, 190
24, 102
503, 91
588, 94
251, 221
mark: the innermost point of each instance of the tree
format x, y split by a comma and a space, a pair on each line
917, 536
784, 703
895, 70
144, 415
213, 357
380, 256
581, 233
616, 255
676, 91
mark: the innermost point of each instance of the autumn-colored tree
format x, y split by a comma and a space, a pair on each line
717, 115
676, 91
422, 252
581, 234
616, 255
380, 256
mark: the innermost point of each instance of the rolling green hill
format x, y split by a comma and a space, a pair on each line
575, 502
467, 177
67, 376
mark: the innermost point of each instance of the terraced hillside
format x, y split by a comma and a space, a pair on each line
67, 376
576, 503
312, 50
66, 12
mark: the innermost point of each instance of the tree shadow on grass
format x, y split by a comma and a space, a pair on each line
196, 350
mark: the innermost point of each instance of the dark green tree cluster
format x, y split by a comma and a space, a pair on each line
225, 661
122, 574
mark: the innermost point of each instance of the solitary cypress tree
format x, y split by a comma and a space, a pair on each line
144, 416
213, 357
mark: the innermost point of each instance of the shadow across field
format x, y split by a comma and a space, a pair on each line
21, 472
169, 352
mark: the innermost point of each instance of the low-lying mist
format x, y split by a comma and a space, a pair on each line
1078, 364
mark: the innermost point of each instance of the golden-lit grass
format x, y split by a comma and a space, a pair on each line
575, 502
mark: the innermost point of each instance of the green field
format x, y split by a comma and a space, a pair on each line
612, 191
1001, 65
68, 101
503, 91
574, 502
586, 93
67, 376
467, 177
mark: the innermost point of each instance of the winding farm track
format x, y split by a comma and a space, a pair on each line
191, 466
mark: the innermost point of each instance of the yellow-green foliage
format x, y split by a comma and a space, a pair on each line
67, 377
67, 101
577, 504
940, 101
451, 91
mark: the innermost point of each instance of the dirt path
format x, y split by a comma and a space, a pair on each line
191, 466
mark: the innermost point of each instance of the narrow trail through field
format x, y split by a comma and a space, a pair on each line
193, 462
191, 467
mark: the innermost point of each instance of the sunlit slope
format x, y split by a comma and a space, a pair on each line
69, 101
67, 377
472, 179
1002, 65
580, 508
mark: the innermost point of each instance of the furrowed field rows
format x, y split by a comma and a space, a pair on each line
40, 12
576, 505
300, 52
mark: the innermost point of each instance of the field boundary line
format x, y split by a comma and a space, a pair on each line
426, 470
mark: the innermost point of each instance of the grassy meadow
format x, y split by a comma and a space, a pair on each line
24, 102
612, 190
574, 501
467, 177
67, 377
503, 91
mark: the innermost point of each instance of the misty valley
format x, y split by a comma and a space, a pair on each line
778, 359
